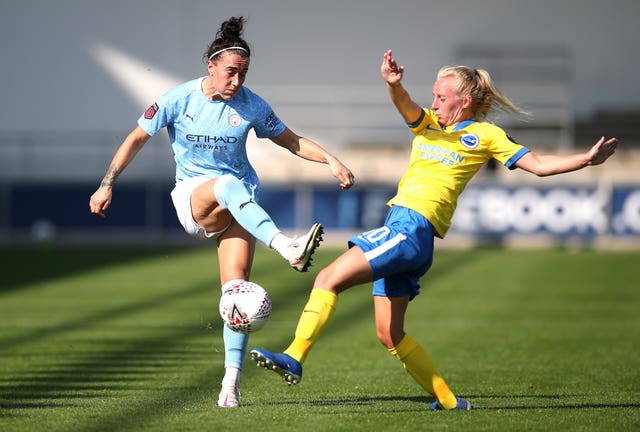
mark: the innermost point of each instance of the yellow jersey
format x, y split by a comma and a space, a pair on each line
444, 159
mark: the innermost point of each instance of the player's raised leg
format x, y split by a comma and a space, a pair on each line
232, 194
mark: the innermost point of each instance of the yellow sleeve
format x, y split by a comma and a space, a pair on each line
426, 118
504, 149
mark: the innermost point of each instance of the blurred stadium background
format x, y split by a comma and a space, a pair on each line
76, 74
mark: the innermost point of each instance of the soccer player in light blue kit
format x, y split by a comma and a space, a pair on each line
208, 120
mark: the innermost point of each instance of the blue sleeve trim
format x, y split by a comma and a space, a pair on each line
511, 163
417, 122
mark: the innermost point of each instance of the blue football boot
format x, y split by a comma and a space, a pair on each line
283, 364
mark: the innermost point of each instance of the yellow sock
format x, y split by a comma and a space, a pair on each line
418, 363
315, 317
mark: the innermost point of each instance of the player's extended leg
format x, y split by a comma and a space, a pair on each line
348, 270
230, 193
315, 317
235, 255
390, 313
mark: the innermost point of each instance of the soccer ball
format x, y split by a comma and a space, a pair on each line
245, 307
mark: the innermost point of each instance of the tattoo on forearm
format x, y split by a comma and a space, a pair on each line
111, 176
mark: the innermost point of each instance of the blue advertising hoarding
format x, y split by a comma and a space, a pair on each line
484, 209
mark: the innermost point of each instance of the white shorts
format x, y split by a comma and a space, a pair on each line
181, 196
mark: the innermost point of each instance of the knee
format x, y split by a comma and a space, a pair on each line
322, 280
326, 280
215, 220
389, 338
385, 338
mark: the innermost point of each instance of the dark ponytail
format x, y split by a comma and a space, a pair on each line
229, 36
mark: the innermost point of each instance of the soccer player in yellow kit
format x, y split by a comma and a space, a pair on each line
452, 142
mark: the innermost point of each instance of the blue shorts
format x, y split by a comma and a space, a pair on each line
400, 252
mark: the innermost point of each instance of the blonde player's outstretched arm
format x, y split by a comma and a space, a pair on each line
546, 165
392, 74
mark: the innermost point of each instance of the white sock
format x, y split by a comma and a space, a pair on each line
231, 377
280, 243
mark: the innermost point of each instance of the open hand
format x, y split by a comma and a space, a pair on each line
391, 72
602, 150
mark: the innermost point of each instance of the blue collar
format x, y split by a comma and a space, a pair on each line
463, 124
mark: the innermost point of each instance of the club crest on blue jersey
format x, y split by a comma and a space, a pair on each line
470, 141
235, 120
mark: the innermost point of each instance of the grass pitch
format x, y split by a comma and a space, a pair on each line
129, 339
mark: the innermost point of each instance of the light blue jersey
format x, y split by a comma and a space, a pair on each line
209, 137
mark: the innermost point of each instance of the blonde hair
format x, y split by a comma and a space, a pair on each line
486, 99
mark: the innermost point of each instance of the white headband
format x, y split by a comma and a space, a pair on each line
227, 49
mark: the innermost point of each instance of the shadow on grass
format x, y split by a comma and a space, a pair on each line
350, 401
129, 369
426, 401
25, 265
555, 403
562, 406
108, 314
